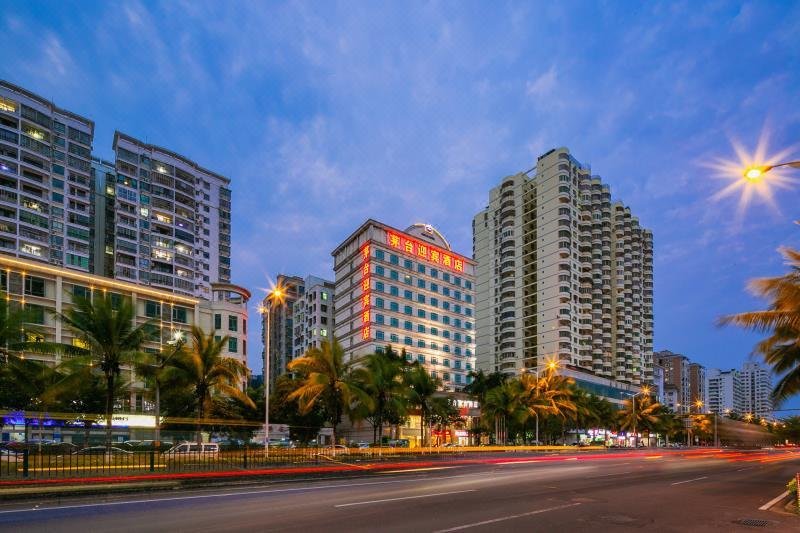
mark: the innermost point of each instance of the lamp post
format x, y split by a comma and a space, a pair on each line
277, 294
551, 367
645, 390
699, 405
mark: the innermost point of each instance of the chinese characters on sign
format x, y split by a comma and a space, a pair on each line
425, 251
365, 292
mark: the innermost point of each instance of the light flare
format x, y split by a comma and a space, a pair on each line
751, 175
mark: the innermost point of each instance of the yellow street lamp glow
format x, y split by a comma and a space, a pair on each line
645, 390
756, 172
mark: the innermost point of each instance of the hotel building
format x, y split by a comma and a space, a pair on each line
46, 205
410, 290
564, 272
676, 380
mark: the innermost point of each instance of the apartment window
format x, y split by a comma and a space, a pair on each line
421, 268
179, 314
394, 338
393, 274
421, 344
446, 277
379, 303
379, 270
232, 344
420, 328
407, 325
421, 358
394, 291
434, 331
379, 319
379, 286
420, 313
407, 310
379, 335
244, 325
407, 295
393, 259
233, 323
36, 313
434, 287
435, 302
407, 264
152, 309
379, 254
395, 323
407, 341
435, 317
79, 291
421, 298
421, 283
34, 286
434, 273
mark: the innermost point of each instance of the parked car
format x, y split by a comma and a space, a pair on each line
102, 450
193, 448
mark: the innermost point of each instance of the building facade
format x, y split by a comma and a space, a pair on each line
563, 270
408, 289
172, 220
658, 383
698, 396
46, 185
725, 391
756, 390
43, 289
676, 379
313, 316
280, 329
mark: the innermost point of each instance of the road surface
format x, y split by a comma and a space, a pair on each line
655, 491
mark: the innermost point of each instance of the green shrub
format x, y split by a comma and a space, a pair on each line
792, 487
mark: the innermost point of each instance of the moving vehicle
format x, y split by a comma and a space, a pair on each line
194, 448
102, 450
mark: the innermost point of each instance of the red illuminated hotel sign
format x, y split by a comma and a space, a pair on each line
423, 250
365, 292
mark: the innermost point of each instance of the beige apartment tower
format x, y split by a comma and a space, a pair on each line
563, 272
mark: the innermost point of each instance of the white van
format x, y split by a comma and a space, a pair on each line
194, 448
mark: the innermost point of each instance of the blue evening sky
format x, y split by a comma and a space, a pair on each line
324, 114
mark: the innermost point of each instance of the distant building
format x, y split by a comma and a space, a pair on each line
698, 399
658, 382
676, 378
756, 390
313, 316
725, 391
281, 326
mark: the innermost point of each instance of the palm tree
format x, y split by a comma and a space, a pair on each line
106, 327
157, 368
548, 395
326, 380
781, 320
37, 385
644, 415
208, 373
421, 387
381, 377
502, 404
18, 333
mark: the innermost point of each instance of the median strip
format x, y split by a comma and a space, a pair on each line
404, 498
774, 501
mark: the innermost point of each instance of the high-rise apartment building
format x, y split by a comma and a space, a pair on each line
46, 186
408, 289
563, 271
280, 315
756, 390
172, 220
313, 315
725, 391
698, 397
676, 380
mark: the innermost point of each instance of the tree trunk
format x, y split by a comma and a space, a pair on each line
201, 411
109, 406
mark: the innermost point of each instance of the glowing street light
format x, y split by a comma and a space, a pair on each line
756, 172
276, 295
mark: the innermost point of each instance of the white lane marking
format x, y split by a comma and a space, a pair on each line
219, 495
510, 517
612, 474
773, 501
404, 498
689, 480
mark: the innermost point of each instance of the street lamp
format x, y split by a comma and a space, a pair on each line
551, 366
756, 172
277, 294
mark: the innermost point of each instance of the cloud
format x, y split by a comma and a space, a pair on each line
543, 85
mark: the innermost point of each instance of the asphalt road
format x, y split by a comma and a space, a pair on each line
656, 491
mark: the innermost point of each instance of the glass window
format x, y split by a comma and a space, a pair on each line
421, 358
434, 287
421, 298
434, 331
407, 310
393, 259
435, 302
152, 309
233, 323
379, 335
407, 341
421, 344
79, 291
421, 268
407, 264
395, 323
394, 306
407, 295
445, 305
420, 328
446, 291
394, 338
379, 319
434, 273
380, 271
420, 313
379, 303
393, 274
446, 277
36, 313
394, 291
179, 314
379, 254
217, 321
421, 283
379, 286
407, 325
232, 345
34, 286
435, 317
